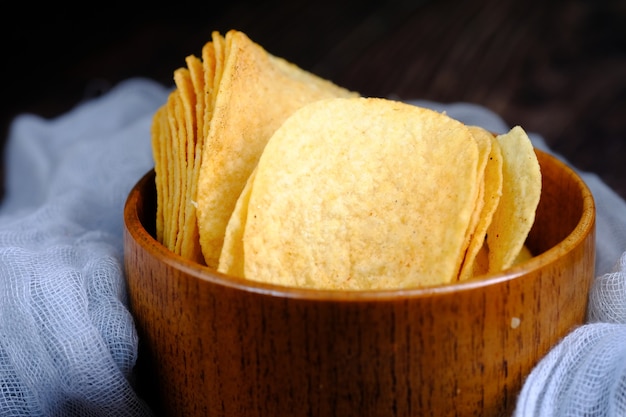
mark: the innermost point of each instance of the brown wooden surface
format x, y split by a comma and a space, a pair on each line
218, 346
556, 67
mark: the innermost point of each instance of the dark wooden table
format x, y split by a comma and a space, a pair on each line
556, 67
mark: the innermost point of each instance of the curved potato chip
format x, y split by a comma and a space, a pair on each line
484, 146
231, 257
492, 190
361, 194
521, 190
257, 92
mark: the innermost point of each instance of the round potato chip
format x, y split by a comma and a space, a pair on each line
231, 258
521, 190
254, 93
492, 190
361, 193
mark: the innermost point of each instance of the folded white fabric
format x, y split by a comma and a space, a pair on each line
67, 340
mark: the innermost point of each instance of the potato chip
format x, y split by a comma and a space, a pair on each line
190, 84
484, 145
190, 248
521, 190
173, 168
361, 194
219, 55
209, 67
256, 93
160, 137
174, 149
224, 108
231, 256
492, 190
185, 114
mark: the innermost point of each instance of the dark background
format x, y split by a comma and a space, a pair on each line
557, 68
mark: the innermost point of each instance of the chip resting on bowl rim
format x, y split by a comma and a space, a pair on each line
360, 193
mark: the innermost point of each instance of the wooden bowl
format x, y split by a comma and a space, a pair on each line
213, 345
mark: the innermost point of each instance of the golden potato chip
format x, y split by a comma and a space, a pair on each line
484, 145
206, 117
492, 190
174, 149
191, 244
219, 55
161, 140
186, 133
256, 93
361, 194
231, 257
190, 85
521, 189
481, 263
209, 68
196, 77
160, 137
173, 169
185, 115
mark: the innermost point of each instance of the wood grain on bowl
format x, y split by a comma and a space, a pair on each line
221, 346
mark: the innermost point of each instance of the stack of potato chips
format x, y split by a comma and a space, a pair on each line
210, 134
267, 172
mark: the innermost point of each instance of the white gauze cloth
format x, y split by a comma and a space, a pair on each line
68, 343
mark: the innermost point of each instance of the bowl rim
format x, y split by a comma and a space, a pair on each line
134, 227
